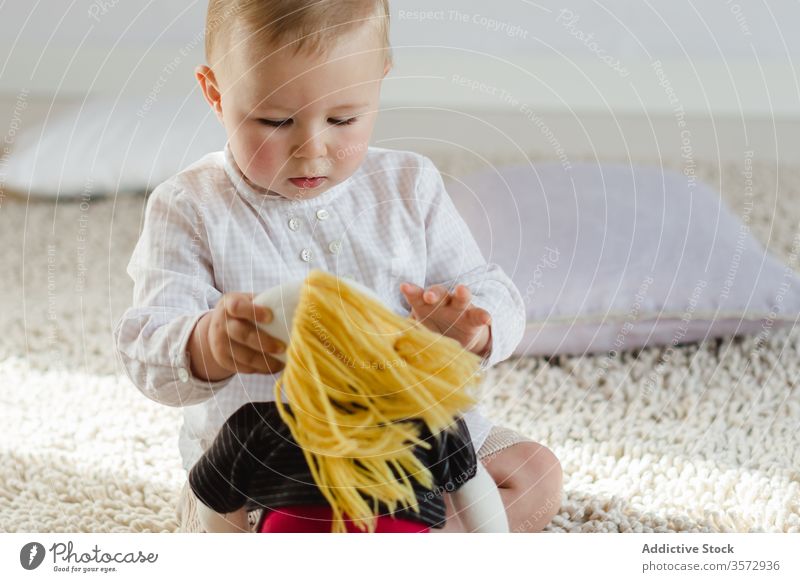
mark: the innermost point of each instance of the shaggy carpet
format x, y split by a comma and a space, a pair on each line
714, 448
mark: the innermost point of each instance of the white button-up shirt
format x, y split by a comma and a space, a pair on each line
208, 232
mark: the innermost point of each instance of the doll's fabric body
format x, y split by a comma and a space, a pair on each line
255, 462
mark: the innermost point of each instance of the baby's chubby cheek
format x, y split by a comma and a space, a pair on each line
261, 164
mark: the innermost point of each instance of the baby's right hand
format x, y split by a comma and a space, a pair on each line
237, 344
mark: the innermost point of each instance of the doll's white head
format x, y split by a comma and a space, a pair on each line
283, 300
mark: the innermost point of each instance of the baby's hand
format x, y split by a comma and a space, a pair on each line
450, 314
236, 344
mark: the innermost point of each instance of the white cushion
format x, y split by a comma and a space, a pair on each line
99, 147
612, 257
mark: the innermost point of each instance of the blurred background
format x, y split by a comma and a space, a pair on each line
597, 79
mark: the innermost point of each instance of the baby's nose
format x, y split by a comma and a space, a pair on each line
311, 146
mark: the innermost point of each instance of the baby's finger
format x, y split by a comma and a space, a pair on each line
249, 361
413, 295
241, 306
460, 298
436, 295
248, 334
242, 369
478, 316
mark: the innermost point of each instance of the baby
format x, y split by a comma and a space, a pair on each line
296, 84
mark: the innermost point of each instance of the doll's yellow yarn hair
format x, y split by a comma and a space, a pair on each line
355, 373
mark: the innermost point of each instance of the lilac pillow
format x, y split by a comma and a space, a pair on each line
613, 257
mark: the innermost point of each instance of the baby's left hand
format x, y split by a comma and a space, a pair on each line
450, 314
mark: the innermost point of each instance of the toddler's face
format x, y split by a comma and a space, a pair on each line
290, 118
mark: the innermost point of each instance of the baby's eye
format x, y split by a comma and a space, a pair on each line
275, 122
350, 121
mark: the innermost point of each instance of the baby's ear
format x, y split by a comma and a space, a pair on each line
208, 84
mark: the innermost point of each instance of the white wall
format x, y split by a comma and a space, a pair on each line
626, 29
733, 57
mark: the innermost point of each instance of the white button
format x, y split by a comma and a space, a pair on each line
322, 214
306, 255
294, 224
335, 246
183, 375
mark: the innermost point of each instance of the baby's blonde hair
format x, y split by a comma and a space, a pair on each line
313, 26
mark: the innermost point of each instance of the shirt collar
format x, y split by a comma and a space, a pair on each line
264, 196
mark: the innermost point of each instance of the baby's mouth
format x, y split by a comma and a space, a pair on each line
308, 182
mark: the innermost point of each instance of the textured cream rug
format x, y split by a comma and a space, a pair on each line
715, 448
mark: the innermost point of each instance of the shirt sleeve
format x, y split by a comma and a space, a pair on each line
173, 287
453, 257
221, 478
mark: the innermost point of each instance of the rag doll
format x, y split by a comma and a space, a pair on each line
365, 432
